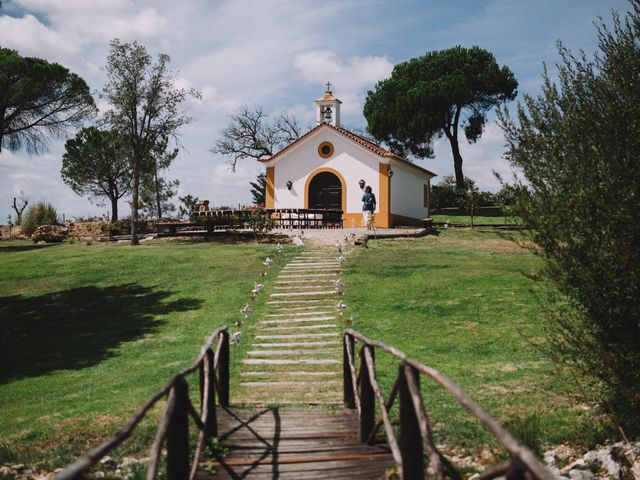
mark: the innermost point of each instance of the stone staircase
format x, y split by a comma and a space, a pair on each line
296, 355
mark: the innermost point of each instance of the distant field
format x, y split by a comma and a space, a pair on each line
486, 215
88, 332
462, 303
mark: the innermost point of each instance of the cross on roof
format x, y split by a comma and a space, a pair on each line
328, 87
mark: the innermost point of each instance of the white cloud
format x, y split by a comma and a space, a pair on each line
351, 77
277, 54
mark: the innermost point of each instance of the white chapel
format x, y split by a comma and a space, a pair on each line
329, 167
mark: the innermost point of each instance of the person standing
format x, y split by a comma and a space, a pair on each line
368, 207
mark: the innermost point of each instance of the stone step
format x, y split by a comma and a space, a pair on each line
296, 344
296, 335
313, 264
297, 361
300, 327
297, 314
308, 275
315, 351
304, 294
294, 320
301, 287
302, 309
285, 383
297, 373
296, 302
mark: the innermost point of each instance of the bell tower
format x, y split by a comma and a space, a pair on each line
328, 108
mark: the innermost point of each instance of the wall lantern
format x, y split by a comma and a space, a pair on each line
390, 173
361, 183
289, 184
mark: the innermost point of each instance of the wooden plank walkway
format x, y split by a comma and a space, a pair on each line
296, 360
295, 443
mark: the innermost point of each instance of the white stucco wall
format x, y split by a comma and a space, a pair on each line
353, 163
407, 191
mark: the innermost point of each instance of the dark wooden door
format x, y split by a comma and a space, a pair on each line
325, 191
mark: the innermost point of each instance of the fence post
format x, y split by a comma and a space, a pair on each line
223, 369
211, 425
411, 447
367, 399
347, 381
178, 434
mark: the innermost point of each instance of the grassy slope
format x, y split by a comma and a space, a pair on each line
461, 304
98, 328
88, 332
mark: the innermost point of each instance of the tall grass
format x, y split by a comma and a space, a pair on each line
40, 213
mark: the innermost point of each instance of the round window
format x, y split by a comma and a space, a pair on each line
325, 150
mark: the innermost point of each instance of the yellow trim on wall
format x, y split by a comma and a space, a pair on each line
271, 179
337, 174
382, 219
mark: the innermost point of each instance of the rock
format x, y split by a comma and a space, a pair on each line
297, 241
129, 461
5, 472
108, 462
50, 234
577, 464
602, 457
581, 475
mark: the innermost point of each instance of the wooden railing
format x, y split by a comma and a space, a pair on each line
173, 430
362, 392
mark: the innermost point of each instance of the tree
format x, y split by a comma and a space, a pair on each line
577, 145
38, 100
19, 209
95, 164
259, 189
144, 107
156, 191
188, 205
425, 98
250, 134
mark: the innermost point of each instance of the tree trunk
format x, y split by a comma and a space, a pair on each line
158, 200
451, 131
114, 208
457, 162
134, 203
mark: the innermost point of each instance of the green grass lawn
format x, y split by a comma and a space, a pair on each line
88, 332
486, 215
462, 303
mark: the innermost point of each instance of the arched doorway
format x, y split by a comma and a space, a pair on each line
325, 191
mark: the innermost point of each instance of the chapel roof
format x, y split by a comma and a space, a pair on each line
363, 142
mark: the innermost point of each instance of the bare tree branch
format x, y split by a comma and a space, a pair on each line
251, 135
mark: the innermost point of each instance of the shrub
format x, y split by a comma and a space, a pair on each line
40, 213
577, 145
261, 222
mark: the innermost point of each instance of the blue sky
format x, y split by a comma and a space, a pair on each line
278, 54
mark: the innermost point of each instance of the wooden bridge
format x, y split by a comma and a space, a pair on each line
304, 359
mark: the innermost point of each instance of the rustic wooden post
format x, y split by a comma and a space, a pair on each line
178, 434
223, 369
367, 398
347, 381
211, 423
411, 447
